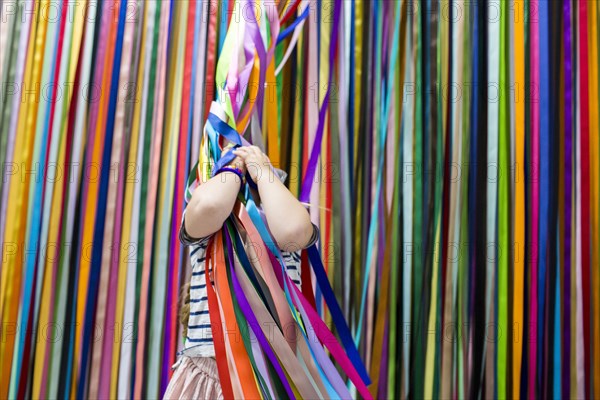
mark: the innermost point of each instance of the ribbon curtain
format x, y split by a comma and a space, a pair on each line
448, 149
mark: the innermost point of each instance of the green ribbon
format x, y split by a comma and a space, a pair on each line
503, 204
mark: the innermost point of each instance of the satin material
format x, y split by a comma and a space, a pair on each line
492, 179
537, 252
90, 193
594, 174
568, 179
489, 219
504, 252
113, 214
157, 126
17, 203
54, 33
519, 249
585, 238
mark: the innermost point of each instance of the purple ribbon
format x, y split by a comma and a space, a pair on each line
316, 149
254, 32
566, 363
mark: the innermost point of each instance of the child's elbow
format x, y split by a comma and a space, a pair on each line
202, 216
295, 236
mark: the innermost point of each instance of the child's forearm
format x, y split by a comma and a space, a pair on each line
288, 220
211, 204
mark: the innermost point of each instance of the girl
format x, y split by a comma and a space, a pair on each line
195, 375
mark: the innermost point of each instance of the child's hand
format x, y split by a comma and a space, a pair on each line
257, 163
236, 162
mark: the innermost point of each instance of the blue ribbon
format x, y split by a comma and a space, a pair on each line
215, 124
556, 364
544, 183
351, 92
288, 31
387, 88
336, 313
224, 129
224, 22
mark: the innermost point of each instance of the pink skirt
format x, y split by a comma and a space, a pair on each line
195, 378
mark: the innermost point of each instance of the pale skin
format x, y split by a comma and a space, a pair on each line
213, 201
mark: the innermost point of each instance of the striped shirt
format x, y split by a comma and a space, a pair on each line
199, 341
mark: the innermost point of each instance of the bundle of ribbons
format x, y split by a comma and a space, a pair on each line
449, 150
281, 353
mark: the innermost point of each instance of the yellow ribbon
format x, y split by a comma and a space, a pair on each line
519, 184
595, 189
18, 196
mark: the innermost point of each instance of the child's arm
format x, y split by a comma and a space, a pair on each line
212, 202
288, 220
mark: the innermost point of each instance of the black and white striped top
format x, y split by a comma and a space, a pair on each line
199, 341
